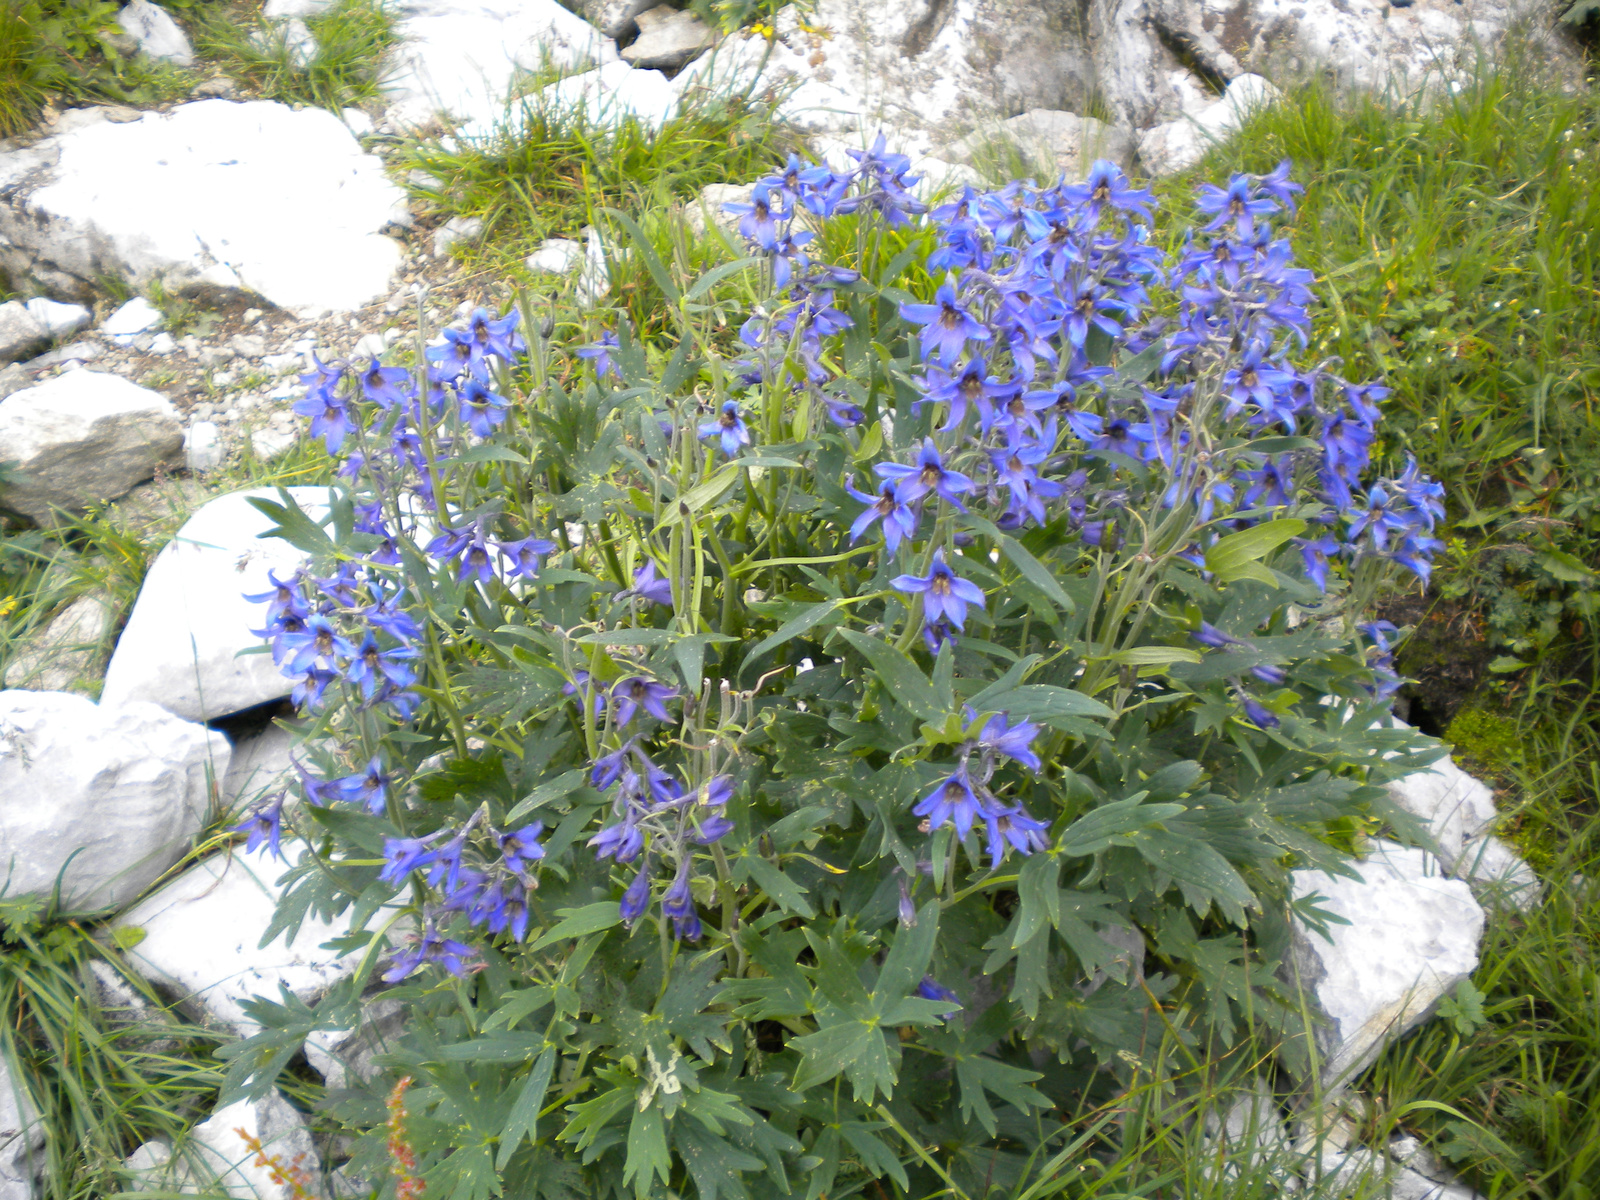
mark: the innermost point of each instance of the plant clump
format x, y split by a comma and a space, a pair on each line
777, 753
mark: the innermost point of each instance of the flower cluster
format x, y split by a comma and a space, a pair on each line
1035, 420
962, 799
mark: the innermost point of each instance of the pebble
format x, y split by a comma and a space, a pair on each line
161, 344
202, 447
222, 378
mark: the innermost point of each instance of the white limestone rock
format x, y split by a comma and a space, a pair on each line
594, 277
83, 437
60, 320
203, 447
106, 797
130, 320
60, 657
1413, 935
614, 18
668, 39
1459, 812
1049, 144
250, 197
157, 33
1366, 45
261, 765
555, 256
180, 645
22, 1136
22, 335
460, 57
925, 71
611, 92
344, 1058
282, 10
250, 1150
1176, 145
201, 934
1452, 804
456, 229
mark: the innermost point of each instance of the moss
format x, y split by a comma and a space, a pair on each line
1488, 743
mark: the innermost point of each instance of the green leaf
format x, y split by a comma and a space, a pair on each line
648, 1156
793, 628
717, 274
1202, 874
1568, 568
1031, 569
1042, 701
1154, 656
779, 886
494, 1047
1113, 824
908, 957
1236, 556
483, 454
524, 1119
901, 677
702, 494
293, 525
652, 260
977, 1074
561, 786
591, 918
854, 1048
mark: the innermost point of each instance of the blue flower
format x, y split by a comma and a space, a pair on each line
1014, 741
729, 427
405, 855
369, 666
521, 847
649, 585
330, 419
482, 409
1107, 185
386, 386
637, 898
283, 597
927, 474
1257, 713
953, 801
264, 826
759, 218
370, 787
319, 642
1015, 828
497, 337
583, 684
621, 841
1209, 635
944, 593
899, 521
947, 324
678, 903
638, 691
525, 555
430, 947
600, 354
1237, 203
931, 989
1268, 673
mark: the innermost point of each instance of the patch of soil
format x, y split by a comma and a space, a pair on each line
1446, 657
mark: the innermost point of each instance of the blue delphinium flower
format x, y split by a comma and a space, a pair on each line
401, 856
899, 521
1014, 741
430, 947
678, 903
320, 643
758, 220
1106, 185
482, 409
599, 353
637, 898
931, 989
521, 847
498, 337
330, 417
650, 585
526, 556
623, 841
1257, 713
264, 826
385, 386
728, 427
370, 787
284, 596
954, 801
370, 666
947, 324
1238, 202
1016, 828
638, 691
927, 474
945, 595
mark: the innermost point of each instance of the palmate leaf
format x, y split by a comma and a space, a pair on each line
856, 1034
648, 1156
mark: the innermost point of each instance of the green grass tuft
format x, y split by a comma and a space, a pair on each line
353, 41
